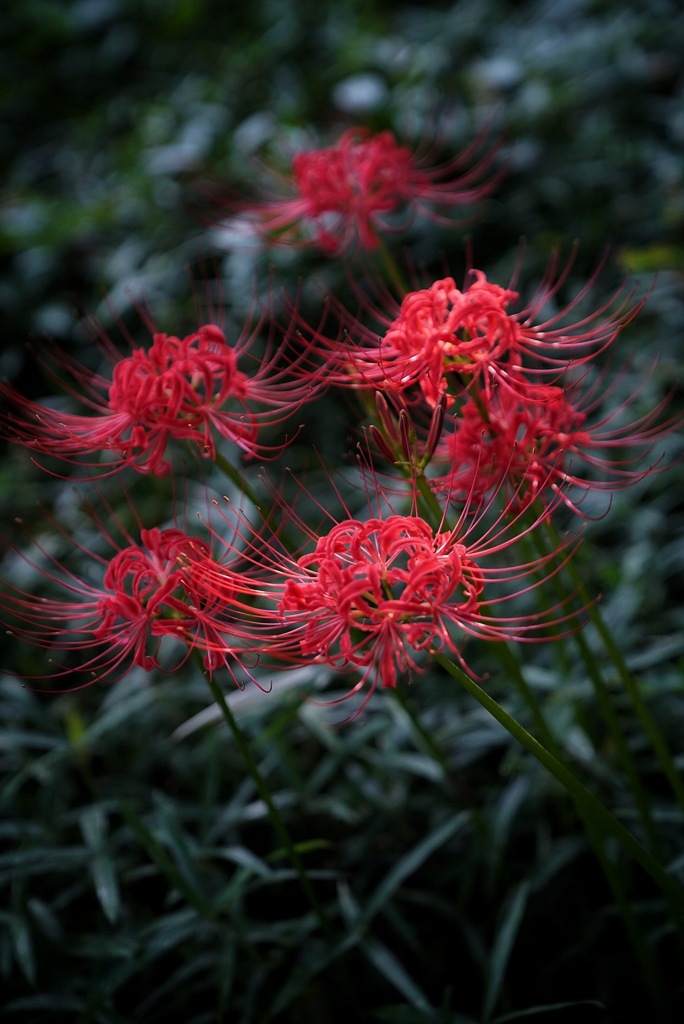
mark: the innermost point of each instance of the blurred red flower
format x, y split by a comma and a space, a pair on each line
347, 195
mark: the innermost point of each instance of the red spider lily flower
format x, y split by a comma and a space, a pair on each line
197, 389
143, 600
444, 340
346, 196
441, 329
545, 436
375, 596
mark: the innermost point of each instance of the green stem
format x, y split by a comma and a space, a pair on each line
511, 666
236, 476
628, 681
424, 734
274, 814
391, 268
432, 505
610, 870
610, 717
591, 809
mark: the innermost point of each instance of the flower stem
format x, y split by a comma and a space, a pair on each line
237, 478
511, 666
279, 825
630, 684
390, 267
615, 730
610, 870
592, 810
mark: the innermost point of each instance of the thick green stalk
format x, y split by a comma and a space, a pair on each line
624, 755
591, 809
511, 666
596, 839
630, 684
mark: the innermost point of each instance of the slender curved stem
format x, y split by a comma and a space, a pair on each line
277, 822
630, 684
591, 809
603, 698
234, 474
391, 267
596, 839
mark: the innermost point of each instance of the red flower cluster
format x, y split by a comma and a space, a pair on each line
545, 436
182, 389
374, 595
347, 195
442, 340
492, 411
373, 592
527, 410
144, 597
440, 331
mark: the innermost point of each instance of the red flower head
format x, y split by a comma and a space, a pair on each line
444, 340
374, 595
441, 330
541, 436
347, 195
198, 388
144, 597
